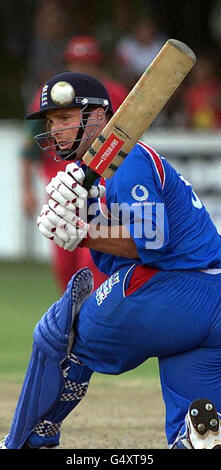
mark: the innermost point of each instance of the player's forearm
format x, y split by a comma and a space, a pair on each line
112, 240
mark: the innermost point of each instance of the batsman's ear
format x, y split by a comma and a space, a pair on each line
99, 113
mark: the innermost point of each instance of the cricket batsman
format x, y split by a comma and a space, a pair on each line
162, 255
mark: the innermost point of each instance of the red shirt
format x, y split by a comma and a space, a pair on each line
202, 103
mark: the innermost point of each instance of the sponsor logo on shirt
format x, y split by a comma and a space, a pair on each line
140, 193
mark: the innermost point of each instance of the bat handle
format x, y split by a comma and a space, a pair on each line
90, 178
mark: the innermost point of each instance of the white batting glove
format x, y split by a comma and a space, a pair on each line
95, 191
62, 226
66, 188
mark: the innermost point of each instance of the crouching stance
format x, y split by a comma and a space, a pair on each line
162, 253
111, 331
56, 380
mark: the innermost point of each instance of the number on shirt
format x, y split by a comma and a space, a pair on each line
195, 200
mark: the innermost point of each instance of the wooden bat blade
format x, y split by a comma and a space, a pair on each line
140, 108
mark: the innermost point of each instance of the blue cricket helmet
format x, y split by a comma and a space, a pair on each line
72, 90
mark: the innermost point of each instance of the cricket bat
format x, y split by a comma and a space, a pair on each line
138, 110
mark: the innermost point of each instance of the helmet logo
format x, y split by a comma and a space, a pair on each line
62, 93
44, 96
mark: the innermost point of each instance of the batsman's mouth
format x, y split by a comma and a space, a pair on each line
65, 145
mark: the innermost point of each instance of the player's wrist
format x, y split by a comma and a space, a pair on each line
85, 241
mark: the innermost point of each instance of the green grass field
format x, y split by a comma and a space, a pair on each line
27, 289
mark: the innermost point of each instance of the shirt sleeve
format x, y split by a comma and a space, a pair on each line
142, 208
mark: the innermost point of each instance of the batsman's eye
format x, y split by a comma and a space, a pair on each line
65, 118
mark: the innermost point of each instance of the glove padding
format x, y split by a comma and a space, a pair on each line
61, 225
59, 219
66, 188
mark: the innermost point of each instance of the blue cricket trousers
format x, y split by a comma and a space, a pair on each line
173, 315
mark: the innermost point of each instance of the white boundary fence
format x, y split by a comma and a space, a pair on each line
196, 155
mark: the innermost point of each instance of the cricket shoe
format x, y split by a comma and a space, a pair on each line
26, 446
203, 427
82, 287
83, 284
2, 443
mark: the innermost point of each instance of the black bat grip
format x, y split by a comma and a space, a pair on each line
90, 178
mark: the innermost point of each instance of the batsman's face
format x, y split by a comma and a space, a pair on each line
64, 124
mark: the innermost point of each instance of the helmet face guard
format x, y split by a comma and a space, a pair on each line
66, 149
71, 90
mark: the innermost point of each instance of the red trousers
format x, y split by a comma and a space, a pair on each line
66, 263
